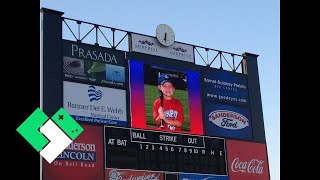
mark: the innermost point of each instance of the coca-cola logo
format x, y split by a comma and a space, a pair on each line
254, 166
228, 119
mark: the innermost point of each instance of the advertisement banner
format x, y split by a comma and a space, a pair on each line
96, 104
247, 160
88, 63
92, 52
150, 45
225, 86
82, 159
201, 177
227, 121
119, 174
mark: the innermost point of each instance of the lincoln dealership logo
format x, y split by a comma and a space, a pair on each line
50, 137
228, 119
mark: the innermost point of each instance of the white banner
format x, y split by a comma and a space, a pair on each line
90, 103
150, 45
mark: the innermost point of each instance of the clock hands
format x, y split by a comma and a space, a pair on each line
165, 35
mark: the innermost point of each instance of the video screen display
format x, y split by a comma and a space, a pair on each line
165, 98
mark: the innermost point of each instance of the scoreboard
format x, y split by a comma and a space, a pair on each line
128, 148
111, 94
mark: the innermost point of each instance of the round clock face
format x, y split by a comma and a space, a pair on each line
165, 35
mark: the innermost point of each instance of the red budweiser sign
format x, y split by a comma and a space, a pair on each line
247, 160
119, 174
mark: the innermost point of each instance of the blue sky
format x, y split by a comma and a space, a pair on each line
233, 26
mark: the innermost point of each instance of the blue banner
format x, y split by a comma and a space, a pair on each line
225, 86
201, 177
100, 120
227, 121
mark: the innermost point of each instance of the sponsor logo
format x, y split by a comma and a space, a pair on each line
146, 45
146, 42
94, 94
179, 49
253, 167
132, 175
180, 52
93, 55
79, 151
228, 119
115, 175
50, 137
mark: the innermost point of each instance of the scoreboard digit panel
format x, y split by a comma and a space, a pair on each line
128, 148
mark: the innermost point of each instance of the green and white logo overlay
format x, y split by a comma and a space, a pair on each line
50, 137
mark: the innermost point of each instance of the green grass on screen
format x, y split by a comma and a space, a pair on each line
152, 93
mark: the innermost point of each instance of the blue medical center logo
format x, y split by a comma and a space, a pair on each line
94, 94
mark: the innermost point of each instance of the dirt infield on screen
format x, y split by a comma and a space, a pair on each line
152, 93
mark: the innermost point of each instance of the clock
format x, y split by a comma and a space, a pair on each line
165, 35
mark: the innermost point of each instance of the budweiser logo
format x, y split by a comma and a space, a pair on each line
254, 166
115, 175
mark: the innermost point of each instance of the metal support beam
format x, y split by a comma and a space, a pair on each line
250, 67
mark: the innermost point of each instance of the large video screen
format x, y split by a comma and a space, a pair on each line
165, 98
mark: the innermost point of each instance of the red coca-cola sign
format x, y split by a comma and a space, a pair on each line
247, 160
119, 174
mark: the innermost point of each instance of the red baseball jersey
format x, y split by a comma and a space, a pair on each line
172, 109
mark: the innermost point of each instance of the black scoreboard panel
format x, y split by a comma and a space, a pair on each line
128, 148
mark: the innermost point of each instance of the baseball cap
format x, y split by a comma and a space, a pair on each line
164, 78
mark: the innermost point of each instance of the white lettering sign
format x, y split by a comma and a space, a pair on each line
254, 166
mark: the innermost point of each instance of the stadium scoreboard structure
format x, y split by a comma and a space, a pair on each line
110, 93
